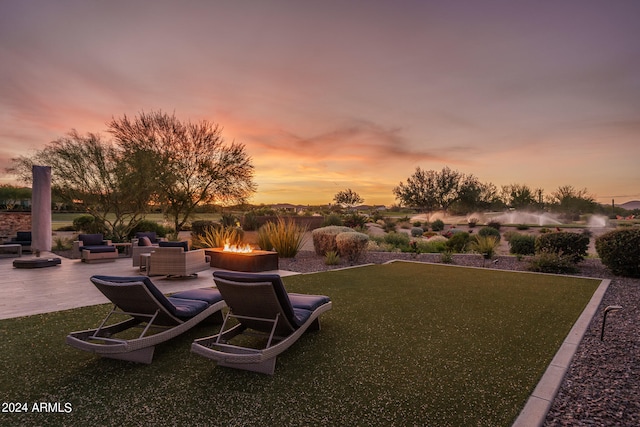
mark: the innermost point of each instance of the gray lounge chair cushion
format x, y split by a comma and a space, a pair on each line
209, 295
307, 302
296, 313
186, 308
99, 249
177, 304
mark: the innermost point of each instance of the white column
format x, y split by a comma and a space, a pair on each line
41, 209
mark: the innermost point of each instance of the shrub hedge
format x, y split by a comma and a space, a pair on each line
324, 238
572, 245
458, 241
489, 231
619, 251
522, 244
351, 245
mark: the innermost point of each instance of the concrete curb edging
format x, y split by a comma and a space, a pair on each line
539, 403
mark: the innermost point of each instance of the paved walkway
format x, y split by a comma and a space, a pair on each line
66, 286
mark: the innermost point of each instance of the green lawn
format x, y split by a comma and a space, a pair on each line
405, 344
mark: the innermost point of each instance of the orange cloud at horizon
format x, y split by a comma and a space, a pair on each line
512, 92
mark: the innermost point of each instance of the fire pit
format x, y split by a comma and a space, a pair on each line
242, 258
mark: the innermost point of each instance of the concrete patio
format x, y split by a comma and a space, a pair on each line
66, 286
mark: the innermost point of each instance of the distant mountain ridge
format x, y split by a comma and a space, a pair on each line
634, 204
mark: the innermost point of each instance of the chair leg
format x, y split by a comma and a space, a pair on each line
144, 355
265, 367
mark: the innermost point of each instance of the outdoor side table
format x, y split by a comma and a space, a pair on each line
11, 248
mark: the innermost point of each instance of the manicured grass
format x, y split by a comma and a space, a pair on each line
405, 344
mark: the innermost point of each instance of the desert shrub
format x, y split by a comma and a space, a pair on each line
229, 220
199, 228
417, 224
446, 257
437, 225
355, 220
249, 221
438, 238
389, 225
430, 234
66, 228
494, 224
485, 245
285, 237
324, 238
399, 240
62, 244
472, 222
458, 242
352, 245
571, 245
88, 224
490, 231
417, 231
450, 232
147, 225
217, 237
432, 246
522, 244
331, 258
619, 251
332, 219
552, 262
545, 230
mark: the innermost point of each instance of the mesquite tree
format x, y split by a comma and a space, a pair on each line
89, 173
185, 164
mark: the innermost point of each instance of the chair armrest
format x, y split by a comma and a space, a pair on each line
76, 252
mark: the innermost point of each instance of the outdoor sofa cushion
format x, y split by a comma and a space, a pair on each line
144, 241
184, 245
92, 239
149, 234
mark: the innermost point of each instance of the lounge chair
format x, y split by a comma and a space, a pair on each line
148, 309
262, 307
94, 248
176, 261
144, 243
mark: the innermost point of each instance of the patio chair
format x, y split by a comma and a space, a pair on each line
263, 309
94, 248
175, 262
23, 238
143, 243
160, 318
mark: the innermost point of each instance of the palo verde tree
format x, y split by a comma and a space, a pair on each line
572, 202
89, 172
432, 190
348, 198
186, 164
521, 196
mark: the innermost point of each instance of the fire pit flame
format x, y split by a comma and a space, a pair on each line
244, 249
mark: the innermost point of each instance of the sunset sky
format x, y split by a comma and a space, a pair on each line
328, 95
